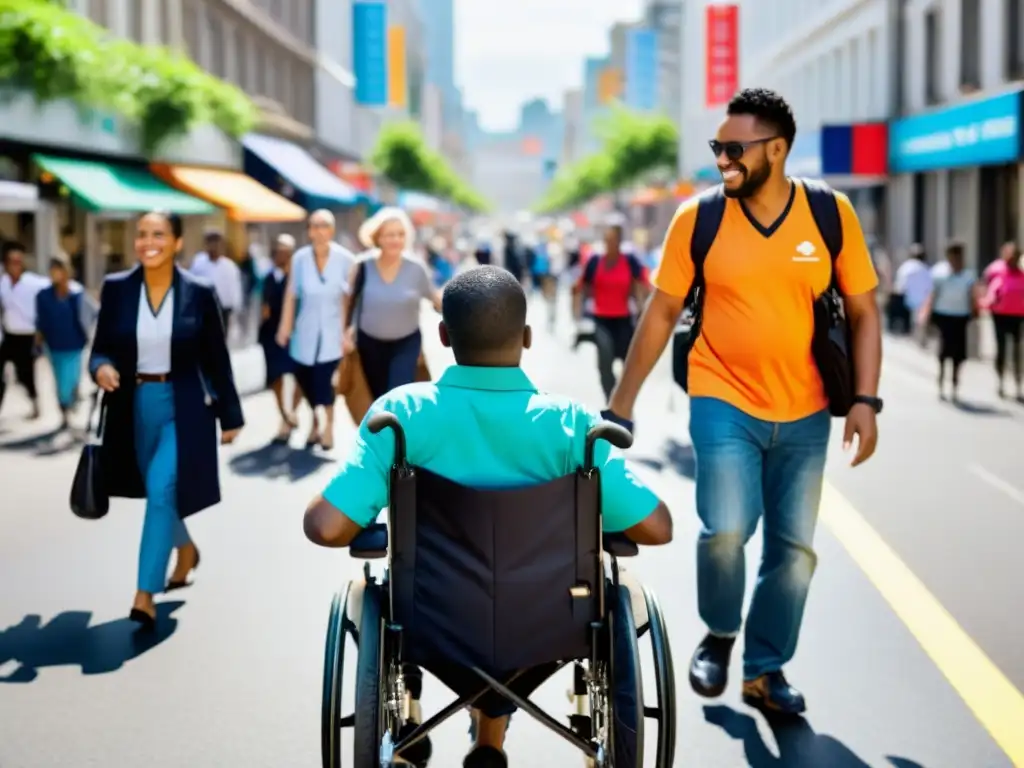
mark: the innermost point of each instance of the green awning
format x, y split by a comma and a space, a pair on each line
109, 187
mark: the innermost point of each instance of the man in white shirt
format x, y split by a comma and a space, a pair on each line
913, 285
18, 291
214, 266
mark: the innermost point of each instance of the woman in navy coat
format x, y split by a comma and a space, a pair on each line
162, 361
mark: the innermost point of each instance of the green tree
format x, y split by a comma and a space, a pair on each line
54, 54
633, 147
402, 156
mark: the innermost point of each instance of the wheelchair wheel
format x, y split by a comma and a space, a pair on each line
665, 683
380, 687
334, 665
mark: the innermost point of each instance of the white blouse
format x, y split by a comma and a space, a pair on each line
153, 333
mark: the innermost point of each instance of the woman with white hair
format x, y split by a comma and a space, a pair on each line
278, 361
311, 320
389, 285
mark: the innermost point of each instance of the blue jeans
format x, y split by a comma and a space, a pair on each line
67, 373
749, 469
156, 448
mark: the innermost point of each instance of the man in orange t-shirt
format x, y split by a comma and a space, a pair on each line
758, 412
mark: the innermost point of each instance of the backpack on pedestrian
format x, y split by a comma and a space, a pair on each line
831, 341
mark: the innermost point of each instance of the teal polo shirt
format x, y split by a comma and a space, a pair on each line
485, 428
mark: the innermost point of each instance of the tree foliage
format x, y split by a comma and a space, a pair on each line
634, 145
54, 54
401, 155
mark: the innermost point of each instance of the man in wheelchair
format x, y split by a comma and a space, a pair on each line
484, 425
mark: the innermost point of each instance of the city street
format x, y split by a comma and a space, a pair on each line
911, 648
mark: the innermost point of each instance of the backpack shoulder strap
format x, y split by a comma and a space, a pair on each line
710, 212
590, 270
825, 211
636, 269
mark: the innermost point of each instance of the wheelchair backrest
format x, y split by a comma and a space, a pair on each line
500, 579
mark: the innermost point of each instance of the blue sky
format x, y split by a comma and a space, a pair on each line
508, 52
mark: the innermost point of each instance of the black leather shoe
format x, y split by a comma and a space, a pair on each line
485, 757
772, 695
419, 753
709, 667
146, 621
172, 585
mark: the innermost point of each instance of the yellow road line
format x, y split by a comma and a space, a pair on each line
997, 704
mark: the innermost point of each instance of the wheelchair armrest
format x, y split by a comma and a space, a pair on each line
371, 543
620, 545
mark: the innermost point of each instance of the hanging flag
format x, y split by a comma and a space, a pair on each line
398, 90
722, 56
370, 52
609, 85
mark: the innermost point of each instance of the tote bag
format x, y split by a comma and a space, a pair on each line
89, 498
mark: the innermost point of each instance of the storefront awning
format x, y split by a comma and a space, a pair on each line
109, 187
291, 171
244, 198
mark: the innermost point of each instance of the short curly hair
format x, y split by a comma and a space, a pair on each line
768, 107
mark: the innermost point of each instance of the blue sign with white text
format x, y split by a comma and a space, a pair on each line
641, 91
985, 132
370, 52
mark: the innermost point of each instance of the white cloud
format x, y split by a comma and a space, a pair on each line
509, 52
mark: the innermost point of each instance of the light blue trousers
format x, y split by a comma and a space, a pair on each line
156, 448
67, 372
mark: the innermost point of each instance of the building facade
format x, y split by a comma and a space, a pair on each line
835, 70
666, 17
956, 142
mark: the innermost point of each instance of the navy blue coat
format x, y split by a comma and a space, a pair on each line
204, 387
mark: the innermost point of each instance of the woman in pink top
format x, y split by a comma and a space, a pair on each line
1005, 300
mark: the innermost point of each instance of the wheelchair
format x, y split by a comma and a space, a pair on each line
490, 580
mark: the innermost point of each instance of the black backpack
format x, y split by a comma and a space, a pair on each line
831, 342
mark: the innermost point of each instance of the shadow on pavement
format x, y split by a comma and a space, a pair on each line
39, 443
980, 409
69, 640
275, 460
798, 744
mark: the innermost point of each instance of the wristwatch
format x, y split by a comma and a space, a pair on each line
873, 402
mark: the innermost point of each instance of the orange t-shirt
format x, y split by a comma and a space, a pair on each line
754, 349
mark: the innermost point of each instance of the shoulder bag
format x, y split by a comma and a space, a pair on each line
89, 498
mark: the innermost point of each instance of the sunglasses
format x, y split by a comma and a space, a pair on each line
734, 150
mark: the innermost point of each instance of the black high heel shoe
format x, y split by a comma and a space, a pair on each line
144, 620
174, 584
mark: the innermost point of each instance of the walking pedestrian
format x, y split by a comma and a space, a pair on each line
278, 362
312, 323
18, 291
389, 287
161, 358
64, 315
616, 284
1004, 280
759, 417
950, 308
216, 267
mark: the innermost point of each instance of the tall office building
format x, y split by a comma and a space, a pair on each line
666, 16
438, 20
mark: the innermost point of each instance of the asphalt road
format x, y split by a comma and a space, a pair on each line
234, 678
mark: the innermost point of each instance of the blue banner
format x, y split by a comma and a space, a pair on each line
641, 69
370, 52
985, 132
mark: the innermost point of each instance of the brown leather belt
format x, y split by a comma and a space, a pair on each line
152, 378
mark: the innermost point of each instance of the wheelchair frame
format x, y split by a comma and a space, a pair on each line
382, 702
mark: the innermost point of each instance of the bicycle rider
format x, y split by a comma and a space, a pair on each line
509, 435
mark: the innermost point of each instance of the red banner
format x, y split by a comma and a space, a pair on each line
722, 53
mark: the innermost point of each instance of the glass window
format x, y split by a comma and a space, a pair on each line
932, 57
970, 44
1014, 30
99, 12
190, 28
218, 60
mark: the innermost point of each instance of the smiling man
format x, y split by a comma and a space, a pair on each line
759, 417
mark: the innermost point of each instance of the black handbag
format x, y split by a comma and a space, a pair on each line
89, 499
